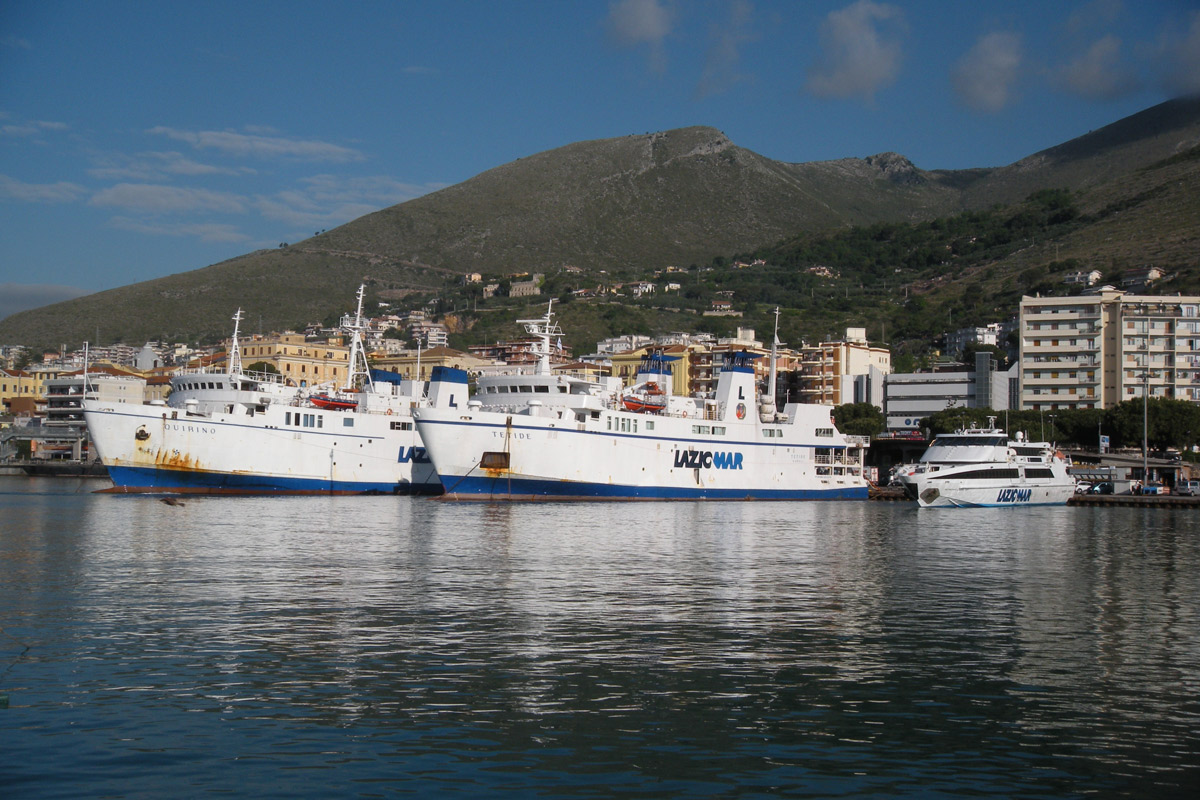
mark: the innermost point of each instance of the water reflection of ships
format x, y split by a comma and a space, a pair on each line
546, 436
984, 467
239, 432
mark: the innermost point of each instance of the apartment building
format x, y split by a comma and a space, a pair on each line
828, 369
300, 360
1098, 349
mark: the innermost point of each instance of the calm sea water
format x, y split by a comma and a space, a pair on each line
380, 646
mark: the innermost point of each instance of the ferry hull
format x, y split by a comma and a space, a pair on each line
559, 460
155, 449
163, 480
538, 489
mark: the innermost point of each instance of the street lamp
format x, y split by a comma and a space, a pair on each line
1146, 426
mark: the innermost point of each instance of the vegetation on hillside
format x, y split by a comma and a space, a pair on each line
906, 283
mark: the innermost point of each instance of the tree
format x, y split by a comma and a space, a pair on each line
859, 419
264, 367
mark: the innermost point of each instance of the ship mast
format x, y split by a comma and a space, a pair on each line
358, 355
767, 404
544, 330
234, 358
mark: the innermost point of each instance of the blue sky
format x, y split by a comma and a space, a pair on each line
142, 139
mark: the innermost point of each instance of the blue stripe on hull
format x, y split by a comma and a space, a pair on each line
485, 488
151, 480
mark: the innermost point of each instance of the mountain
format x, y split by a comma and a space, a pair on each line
629, 204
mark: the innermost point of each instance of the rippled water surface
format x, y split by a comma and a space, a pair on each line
368, 646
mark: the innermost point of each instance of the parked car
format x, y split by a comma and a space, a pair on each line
1190, 488
1083, 487
1104, 487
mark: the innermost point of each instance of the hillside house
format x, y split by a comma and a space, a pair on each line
1083, 277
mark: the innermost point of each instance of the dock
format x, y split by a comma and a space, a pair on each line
1141, 500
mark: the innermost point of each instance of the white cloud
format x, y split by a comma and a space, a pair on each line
205, 231
171, 199
724, 54
262, 146
154, 166
1099, 73
1182, 56
61, 192
985, 76
632, 23
859, 55
31, 128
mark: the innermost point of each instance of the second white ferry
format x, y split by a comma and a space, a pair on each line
985, 467
546, 436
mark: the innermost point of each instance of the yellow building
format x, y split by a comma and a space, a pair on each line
304, 362
625, 365
405, 363
22, 386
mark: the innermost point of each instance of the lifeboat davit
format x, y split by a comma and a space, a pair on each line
650, 399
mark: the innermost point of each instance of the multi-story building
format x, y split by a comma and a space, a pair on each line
303, 361
827, 370
429, 334
625, 365
623, 344
1095, 350
994, 334
19, 390
909, 398
519, 352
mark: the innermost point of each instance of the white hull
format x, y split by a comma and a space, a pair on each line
155, 448
624, 455
985, 467
949, 493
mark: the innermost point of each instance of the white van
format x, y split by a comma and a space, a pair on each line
1188, 487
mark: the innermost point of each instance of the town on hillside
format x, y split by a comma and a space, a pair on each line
1084, 352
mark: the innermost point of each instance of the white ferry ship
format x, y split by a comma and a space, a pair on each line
546, 436
243, 433
984, 467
